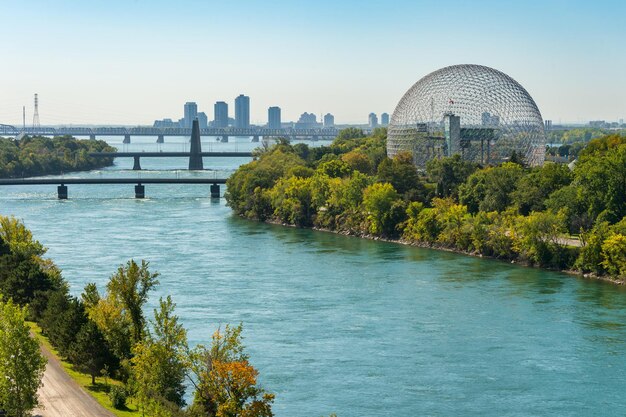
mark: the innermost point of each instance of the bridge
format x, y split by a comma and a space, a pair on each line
161, 133
138, 155
139, 187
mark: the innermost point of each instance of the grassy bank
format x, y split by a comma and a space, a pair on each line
99, 391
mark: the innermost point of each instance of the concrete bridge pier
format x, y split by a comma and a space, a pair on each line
62, 192
136, 164
140, 191
215, 191
92, 137
255, 138
224, 139
160, 139
126, 139
315, 138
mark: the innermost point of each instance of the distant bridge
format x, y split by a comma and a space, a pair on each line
139, 187
160, 133
138, 155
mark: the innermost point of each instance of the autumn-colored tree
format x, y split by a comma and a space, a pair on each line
225, 382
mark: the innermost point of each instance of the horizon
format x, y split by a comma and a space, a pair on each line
130, 63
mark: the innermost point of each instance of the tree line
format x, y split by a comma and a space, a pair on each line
508, 211
107, 334
38, 155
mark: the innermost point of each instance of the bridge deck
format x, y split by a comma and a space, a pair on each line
64, 181
165, 154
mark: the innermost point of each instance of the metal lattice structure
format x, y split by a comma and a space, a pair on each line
472, 110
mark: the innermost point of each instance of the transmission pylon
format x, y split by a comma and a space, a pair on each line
36, 114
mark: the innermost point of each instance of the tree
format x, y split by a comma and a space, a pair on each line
384, 207
158, 363
614, 254
225, 382
401, 173
490, 189
535, 187
130, 287
21, 363
91, 353
449, 173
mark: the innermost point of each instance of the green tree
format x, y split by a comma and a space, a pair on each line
21, 364
159, 364
130, 286
385, 209
490, 189
535, 187
448, 174
614, 254
402, 174
225, 383
90, 352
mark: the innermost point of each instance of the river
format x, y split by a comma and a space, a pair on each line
341, 324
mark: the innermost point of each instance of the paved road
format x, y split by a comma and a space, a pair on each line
61, 396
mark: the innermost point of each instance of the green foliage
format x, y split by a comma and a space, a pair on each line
538, 238
129, 288
491, 189
448, 174
402, 175
384, 209
118, 397
21, 364
37, 155
159, 364
614, 255
90, 353
534, 187
590, 258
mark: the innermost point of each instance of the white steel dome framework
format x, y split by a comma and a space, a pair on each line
475, 111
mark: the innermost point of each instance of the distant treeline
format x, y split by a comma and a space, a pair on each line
508, 211
33, 156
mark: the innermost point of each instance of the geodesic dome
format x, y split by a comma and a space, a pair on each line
472, 110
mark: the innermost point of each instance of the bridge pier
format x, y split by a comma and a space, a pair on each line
224, 139
215, 191
136, 164
255, 138
62, 192
92, 137
126, 139
160, 139
140, 191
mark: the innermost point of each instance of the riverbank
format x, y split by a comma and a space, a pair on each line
406, 242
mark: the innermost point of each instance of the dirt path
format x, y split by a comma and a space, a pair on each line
62, 396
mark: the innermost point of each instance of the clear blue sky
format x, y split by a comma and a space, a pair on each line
130, 62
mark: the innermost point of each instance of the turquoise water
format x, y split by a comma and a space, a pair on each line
339, 324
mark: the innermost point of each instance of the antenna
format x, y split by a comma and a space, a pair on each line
36, 114
23, 118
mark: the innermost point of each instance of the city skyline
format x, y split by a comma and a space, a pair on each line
128, 63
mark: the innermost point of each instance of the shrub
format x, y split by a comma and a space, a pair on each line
118, 395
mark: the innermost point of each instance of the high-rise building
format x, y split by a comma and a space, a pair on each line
273, 117
191, 112
221, 114
203, 120
384, 119
329, 120
242, 111
307, 121
373, 120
